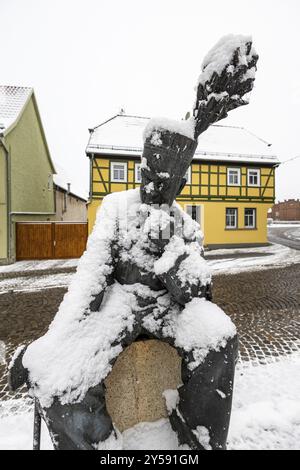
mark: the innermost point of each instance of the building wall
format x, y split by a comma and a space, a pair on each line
213, 223
286, 210
31, 172
3, 206
208, 189
69, 208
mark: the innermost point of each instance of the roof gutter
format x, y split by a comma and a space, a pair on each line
8, 195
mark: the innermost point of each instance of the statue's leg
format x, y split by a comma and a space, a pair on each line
86, 425
201, 417
79, 426
201, 414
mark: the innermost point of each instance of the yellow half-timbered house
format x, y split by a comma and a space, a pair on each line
230, 183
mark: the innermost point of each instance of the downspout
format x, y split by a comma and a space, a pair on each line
8, 196
91, 158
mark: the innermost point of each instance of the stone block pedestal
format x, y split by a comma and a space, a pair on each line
136, 383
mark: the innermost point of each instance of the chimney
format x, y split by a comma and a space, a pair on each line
69, 188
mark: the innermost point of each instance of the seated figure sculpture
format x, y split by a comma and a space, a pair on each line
144, 273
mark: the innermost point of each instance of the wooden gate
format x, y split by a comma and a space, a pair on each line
50, 240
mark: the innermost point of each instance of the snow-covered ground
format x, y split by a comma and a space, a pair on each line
294, 233
34, 283
38, 265
238, 260
228, 261
265, 415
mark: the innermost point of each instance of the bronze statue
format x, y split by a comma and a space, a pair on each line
144, 275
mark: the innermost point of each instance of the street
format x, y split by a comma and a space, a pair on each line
288, 235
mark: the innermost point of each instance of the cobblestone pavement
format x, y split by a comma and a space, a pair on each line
265, 306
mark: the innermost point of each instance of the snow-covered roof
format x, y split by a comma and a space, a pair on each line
12, 102
123, 135
62, 179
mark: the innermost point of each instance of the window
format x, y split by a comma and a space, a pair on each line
250, 218
195, 212
231, 218
233, 176
118, 172
253, 177
137, 173
187, 176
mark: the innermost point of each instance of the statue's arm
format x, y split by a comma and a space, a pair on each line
227, 78
183, 271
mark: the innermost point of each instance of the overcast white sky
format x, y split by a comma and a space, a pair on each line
87, 59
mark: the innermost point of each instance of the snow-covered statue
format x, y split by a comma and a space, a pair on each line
144, 273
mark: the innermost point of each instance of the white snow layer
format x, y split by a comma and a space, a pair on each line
273, 256
76, 352
221, 55
192, 269
265, 415
157, 125
202, 326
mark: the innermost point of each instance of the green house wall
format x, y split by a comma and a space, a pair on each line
30, 165
31, 176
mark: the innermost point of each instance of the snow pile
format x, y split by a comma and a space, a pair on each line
156, 126
202, 326
222, 54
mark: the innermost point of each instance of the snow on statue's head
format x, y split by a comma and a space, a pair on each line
227, 77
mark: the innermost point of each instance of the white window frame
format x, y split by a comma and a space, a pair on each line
238, 170
257, 170
114, 180
137, 167
231, 227
188, 176
254, 217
